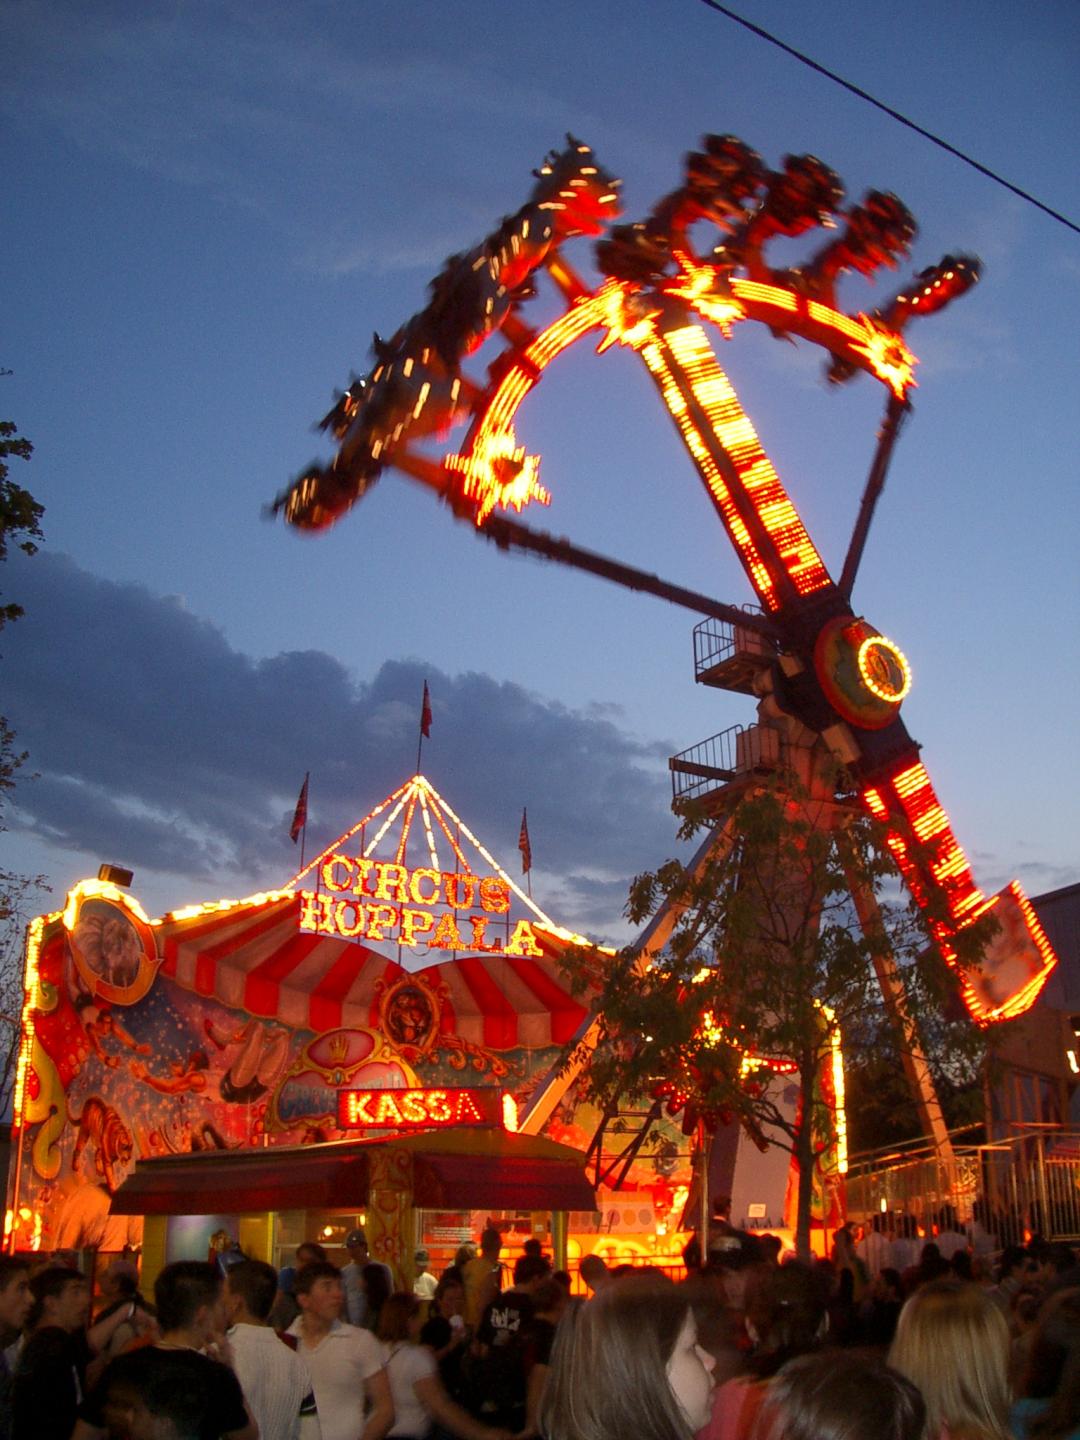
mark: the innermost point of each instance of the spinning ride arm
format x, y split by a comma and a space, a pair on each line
842, 679
834, 673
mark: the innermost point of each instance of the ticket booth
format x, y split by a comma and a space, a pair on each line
410, 1190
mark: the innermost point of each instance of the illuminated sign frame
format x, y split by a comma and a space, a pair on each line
427, 1109
380, 900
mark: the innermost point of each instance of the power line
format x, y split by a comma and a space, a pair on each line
888, 110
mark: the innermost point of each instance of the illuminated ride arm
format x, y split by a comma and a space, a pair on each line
416, 387
834, 672
839, 675
841, 678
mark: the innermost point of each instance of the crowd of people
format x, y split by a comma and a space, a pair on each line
749, 1346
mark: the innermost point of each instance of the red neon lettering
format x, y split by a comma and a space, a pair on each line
387, 1109
466, 1109
437, 1105
447, 935
452, 885
392, 882
523, 941
479, 925
383, 1109
412, 1106
315, 912
341, 909
359, 1100
417, 878
380, 919
330, 879
414, 922
495, 895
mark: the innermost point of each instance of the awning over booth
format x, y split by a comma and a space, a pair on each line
464, 1169
212, 1183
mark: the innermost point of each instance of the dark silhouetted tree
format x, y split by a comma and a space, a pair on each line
20, 525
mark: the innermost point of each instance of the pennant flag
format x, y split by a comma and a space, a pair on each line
299, 819
425, 715
523, 844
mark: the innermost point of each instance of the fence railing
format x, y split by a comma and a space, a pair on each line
1027, 1184
705, 765
717, 642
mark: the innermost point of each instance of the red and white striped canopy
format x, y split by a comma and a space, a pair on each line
254, 957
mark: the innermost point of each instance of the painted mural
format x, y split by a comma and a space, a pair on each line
124, 1060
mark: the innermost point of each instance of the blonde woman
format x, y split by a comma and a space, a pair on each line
952, 1342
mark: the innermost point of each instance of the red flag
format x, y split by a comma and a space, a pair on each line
299, 819
425, 715
523, 844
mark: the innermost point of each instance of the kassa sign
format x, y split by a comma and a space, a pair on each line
424, 1109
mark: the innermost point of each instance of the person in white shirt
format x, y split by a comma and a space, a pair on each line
420, 1401
906, 1246
346, 1363
984, 1244
950, 1238
273, 1376
425, 1284
875, 1247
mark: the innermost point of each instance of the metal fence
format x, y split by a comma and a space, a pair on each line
717, 641
714, 642
1028, 1184
706, 765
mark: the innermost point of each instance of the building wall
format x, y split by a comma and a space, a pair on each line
1035, 1082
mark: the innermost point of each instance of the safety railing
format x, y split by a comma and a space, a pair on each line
1027, 1184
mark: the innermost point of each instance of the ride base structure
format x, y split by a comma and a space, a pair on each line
829, 684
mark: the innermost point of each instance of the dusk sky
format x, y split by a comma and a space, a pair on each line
210, 207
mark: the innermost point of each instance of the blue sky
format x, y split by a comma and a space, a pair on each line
212, 206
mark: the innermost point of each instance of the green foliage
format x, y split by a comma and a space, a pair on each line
766, 948
20, 524
20, 513
881, 1108
11, 760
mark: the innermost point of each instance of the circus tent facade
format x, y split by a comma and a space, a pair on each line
401, 986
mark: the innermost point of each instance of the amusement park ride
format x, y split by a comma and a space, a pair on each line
829, 685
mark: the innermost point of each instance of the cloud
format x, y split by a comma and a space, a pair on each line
160, 746
271, 114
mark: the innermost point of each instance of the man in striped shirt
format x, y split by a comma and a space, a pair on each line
274, 1378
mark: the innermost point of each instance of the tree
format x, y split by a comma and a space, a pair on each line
20, 525
765, 961
20, 513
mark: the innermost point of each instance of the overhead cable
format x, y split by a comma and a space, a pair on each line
888, 110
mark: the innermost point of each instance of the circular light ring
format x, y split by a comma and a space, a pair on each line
878, 661
847, 653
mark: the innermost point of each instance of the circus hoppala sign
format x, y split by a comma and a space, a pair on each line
382, 900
